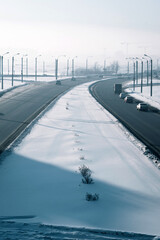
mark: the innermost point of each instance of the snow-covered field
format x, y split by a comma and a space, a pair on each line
7, 85
40, 176
145, 95
29, 231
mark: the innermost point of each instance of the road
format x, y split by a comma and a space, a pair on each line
21, 105
144, 125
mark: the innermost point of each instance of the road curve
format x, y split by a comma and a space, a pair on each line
144, 125
21, 105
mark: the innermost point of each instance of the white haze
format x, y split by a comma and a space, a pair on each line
81, 28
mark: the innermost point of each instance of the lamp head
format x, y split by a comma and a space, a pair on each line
5, 53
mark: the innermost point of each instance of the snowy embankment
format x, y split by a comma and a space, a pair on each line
153, 101
40, 177
7, 85
30, 231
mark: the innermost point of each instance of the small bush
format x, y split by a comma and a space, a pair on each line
86, 174
92, 197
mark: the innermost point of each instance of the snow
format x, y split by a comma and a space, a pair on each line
7, 82
153, 101
13, 231
7, 85
40, 176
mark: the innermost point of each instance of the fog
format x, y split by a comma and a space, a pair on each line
111, 29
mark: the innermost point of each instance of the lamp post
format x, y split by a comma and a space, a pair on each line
73, 78
157, 66
13, 67
22, 69
147, 70
43, 68
58, 82
127, 66
67, 67
141, 73
134, 73
151, 73
27, 66
8, 67
147, 73
36, 66
137, 70
87, 63
56, 69
2, 66
22, 66
141, 76
104, 67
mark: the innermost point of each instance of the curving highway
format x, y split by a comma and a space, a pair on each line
21, 105
144, 125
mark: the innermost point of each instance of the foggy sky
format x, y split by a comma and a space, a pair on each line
80, 26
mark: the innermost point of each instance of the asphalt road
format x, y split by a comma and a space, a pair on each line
144, 125
21, 105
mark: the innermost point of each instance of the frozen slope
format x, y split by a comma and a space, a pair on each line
13, 231
40, 177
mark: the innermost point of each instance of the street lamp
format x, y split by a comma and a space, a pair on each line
27, 65
43, 68
147, 71
141, 73
2, 66
8, 67
157, 66
127, 66
68, 67
36, 66
58, 82
134, 73
151, 73
73, 78
87, 63
13, 67
22, 66
104, 67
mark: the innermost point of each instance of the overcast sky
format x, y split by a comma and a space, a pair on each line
80, 27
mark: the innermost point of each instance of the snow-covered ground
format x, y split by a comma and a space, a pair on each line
40, 176
145, 95
7, 85
7, 82
29, 231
